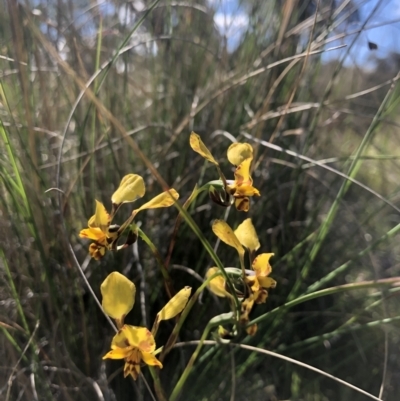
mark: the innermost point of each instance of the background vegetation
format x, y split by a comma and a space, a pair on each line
83, 89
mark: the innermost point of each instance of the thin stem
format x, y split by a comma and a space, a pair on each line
222, 319
283, 357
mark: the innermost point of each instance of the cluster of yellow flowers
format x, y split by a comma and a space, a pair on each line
256, 280
241, 156
132, 343
137, 344
106, 235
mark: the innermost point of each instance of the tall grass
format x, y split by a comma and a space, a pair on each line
89, 93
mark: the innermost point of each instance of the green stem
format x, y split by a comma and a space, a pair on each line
207, 246
157, 255
214, 322
196, 191
157, 384
174, 335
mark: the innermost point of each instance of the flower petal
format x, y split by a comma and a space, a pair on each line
242, 204
246, 233
261, 296
97, 251
130, 189
253, 283
139, 337
261, 264
238, 152
132, 363
251, 330
165, 199
217, 284
151, 360
225, 233
120, 340
175, 305
93, 233
118, 295
118, 353
198, 146
101, 218
267, 282
242, 173
246, 307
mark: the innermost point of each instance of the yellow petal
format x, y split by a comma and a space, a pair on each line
117, 353
120, 341
101, 218
151, 360
118, 295
176, 304
242, 173
139, 337
246, 307
132, 364
93, 233
253, 283
97, 251
238, 152
130, 189
225, 234
261, 264
242, 204
267, 282
217, 284
247, 235
244, 191
164, 199
91, 222
251, 330
198, 146
261, 296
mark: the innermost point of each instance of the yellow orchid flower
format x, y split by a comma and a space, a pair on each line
118, 296
105, 235
99, 232
245, 236
241, 188
260, 282
134, 344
